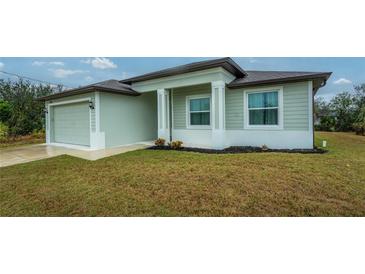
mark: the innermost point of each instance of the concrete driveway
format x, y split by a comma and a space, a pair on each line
24, 154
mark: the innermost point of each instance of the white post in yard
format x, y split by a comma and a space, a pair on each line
218, 113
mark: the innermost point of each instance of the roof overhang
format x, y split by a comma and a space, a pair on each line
227, 63
87, 89
320, 78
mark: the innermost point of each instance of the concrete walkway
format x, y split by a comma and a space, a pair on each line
24, 154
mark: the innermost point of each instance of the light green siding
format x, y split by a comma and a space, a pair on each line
296, 106
71, 124
128, 119
295, 101
234, 109
179, 102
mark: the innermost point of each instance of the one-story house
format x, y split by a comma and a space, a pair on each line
214, 104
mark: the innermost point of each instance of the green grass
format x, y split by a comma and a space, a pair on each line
170, 183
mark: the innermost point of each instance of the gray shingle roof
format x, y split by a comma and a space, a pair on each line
244, 78
226, 63
255, 77
111, 86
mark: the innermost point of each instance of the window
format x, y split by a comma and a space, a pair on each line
199, 111
263, 108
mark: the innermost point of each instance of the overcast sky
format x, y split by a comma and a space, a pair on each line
74, 72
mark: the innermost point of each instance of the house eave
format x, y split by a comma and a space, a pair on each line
86, 90
227, 63
323, 76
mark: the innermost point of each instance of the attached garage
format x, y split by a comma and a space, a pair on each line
71, 124
103, 115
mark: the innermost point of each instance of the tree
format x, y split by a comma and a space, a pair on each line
343, 107
5, 111
26, 112
359, 101
323, 115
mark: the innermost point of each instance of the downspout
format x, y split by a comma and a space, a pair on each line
313, 93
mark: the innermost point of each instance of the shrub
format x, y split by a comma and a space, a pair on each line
359, 128
264, 147
5, 111
176, 144
160, 142
4, 132
39, 133
327, 123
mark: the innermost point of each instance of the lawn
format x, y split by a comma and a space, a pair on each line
171, 183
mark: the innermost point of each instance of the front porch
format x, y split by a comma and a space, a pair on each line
174, 95
193, 114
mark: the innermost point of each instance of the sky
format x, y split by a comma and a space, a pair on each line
74, 72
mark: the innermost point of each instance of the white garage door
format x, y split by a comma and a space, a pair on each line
71, 124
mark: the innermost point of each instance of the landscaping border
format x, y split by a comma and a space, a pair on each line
240, 149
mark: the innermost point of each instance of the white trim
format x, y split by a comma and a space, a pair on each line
162, 114
97, 138
218, 84
222, 100
167, 111
187, 105
90, 128
172, 109
310, 110
310, 105
278, 139
78, 147
218, 125
97, 111
70, 101
280, 125
194, 137
48, 128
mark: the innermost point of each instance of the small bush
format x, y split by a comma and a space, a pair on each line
176, 144
160, 142
327, 123
4, 132
264, 147
359, 128
39, 134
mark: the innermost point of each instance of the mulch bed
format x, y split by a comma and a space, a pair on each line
240, 149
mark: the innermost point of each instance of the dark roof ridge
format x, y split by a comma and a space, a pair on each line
289, 71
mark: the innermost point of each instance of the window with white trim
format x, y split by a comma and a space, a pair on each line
199, 111
263, 108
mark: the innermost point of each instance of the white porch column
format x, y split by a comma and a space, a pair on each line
218, 113
163, 114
